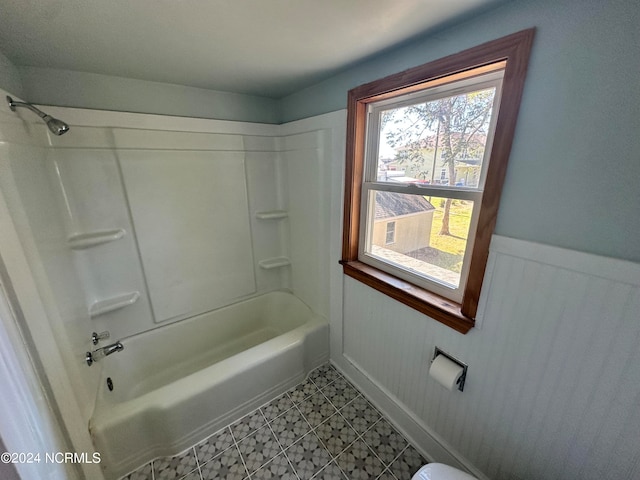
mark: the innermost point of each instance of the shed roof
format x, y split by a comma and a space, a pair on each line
390, 204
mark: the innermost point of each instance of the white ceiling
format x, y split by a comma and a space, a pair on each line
263, 47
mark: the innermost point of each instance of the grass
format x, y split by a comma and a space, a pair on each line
447, 251
459, 219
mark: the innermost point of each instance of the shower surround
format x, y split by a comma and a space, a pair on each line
153, 228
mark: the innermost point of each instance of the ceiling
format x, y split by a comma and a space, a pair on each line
263, 47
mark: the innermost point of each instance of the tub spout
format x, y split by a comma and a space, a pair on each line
114, 347
99, 353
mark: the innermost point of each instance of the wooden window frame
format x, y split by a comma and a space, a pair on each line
512, 53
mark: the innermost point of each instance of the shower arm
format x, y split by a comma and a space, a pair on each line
13, 104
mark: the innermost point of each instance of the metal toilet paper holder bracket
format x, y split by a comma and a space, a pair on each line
464, 366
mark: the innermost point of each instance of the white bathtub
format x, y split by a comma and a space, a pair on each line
176, 385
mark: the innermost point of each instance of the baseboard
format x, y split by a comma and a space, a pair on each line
426, 441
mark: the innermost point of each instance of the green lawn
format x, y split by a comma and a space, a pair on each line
448, 250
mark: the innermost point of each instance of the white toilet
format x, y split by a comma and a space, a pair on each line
440, 471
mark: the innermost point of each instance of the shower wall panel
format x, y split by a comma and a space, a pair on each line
91, 199
24, 181
165, 224
267, 193
307, 171
191, 216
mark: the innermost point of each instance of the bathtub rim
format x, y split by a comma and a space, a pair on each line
297, 334
186, 320
110, 364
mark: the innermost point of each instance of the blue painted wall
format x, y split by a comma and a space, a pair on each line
574, 174
47, 86
104, 92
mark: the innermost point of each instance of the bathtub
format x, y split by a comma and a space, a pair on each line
176, 385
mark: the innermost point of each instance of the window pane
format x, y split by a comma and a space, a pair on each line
439, 142
429, 234
391, 233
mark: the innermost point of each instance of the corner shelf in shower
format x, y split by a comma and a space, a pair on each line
275, 262
114, 303
81, 241
272, 215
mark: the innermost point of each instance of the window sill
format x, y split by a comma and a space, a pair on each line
436, 307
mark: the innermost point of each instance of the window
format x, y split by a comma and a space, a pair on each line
391, 233
450, 124
427, 151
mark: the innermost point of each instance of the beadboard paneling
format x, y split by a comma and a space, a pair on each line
553, 389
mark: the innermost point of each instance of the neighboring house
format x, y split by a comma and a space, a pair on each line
433, 169
467, 172
402, 223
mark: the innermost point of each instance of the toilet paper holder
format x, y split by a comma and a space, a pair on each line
464, 366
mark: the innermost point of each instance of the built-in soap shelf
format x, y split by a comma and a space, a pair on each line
114, 303
272, 215
81, 241
275, 262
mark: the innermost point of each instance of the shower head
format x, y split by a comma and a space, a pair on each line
57, 127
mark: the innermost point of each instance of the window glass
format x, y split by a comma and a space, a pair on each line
440, 141
433, 141
419, 245
391, 233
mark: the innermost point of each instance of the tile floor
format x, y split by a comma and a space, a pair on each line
321, 429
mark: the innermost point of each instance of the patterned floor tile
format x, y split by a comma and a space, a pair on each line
302, 391
327, 429
258, 448
408, 463
336, 434
143, 473
359, 462
308, 456
342, 382
226, 466
247, 424
316, 409
330, 472
195, 475
340, 394
387, 475
277, 407
214, 445
170, 468
324, 375
290, 427
385, 441
360, 414
278, 468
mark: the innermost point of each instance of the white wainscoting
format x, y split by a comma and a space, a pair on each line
553, 388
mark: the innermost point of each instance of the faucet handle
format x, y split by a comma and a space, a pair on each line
96, 337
